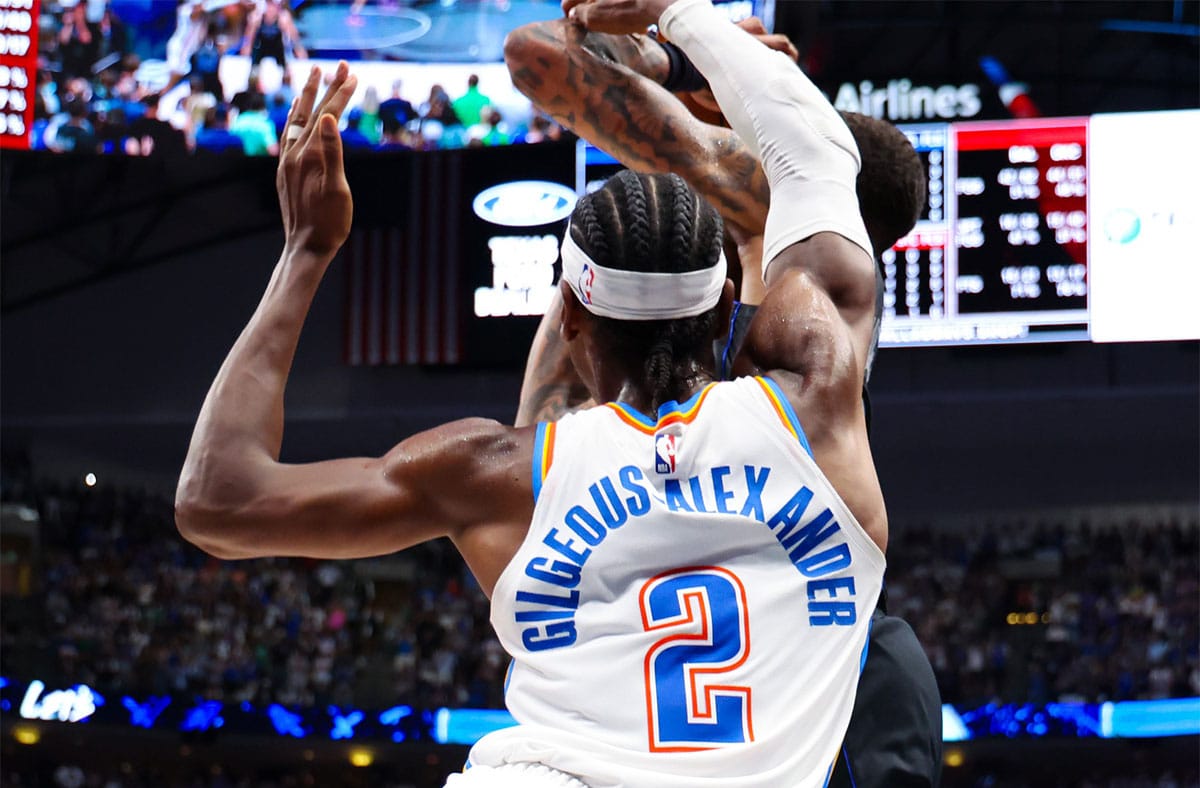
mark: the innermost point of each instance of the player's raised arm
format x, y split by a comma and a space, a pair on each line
609, 90
236, 500
810, 158
615, 92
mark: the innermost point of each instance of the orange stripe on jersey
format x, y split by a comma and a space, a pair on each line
780, 410
548, 449
671, 417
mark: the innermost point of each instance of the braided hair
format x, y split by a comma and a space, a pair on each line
652, 224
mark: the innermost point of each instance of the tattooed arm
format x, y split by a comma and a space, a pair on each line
551, 388
606, 89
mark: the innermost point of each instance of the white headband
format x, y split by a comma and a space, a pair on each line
635, 295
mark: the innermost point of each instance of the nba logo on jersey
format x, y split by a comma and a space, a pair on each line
665, 449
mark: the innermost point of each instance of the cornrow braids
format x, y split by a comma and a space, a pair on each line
652, 224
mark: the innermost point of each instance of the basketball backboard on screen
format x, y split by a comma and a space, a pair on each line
1144, 250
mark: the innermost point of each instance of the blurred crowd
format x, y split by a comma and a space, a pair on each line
96, 95
72, 776
127, 605
1044, 612
1024, 613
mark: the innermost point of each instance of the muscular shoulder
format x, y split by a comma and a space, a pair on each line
469, 471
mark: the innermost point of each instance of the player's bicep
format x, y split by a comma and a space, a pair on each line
843, 273
433, 484
798, 334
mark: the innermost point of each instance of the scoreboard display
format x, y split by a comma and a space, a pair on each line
18, 70
1000, 254
1041, 230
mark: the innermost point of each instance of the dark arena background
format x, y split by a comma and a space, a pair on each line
1035, 409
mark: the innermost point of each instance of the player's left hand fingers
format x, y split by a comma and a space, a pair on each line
301, 111
331, 142
781, 43
340, 76
753, 25
339, 97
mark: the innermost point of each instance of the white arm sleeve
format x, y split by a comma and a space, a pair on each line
806, 149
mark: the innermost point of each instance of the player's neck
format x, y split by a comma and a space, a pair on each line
632, 388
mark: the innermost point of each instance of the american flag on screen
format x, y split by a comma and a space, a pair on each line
403, 294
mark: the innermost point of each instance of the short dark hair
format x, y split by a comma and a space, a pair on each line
652, 224
892, 183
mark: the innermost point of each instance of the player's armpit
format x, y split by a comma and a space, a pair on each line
441, 482
573, 76
843, 273
799, 336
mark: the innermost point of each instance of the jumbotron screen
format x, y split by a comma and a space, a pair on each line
1043, 230
97, 76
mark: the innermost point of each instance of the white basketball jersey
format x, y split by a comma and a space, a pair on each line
691, 604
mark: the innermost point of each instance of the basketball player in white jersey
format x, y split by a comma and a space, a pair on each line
640, 100
685, 588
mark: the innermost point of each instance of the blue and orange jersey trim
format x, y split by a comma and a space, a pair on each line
783, 409
670, 413
543, 454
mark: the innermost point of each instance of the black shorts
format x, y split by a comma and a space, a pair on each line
895, 734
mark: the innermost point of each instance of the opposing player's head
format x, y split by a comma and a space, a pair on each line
644, 278
892, 182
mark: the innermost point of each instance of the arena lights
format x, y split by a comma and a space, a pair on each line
954, 758
69, 705
361, 758
287, 723
143, 715
27, 734
403, 723
1025, 619
89, 479
204, 717
343, 724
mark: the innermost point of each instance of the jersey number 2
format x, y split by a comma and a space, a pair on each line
703, 611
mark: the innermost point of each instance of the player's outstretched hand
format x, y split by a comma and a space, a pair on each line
311, 180
615, 16
777, 41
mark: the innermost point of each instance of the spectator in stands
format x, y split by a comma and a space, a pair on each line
241, 99
469, 106
395, 137
195, 107
278, 112
369, 122
77, 135
151, 136
396, 108
353, 137
206, 63
437, 107
215, 135
494, 128
113, 36
78, 41
255, 129
541, 129
114, 129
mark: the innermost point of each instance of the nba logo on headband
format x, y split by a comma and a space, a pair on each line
639, 295
587, 278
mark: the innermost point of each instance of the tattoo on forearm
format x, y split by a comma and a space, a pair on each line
586, 83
